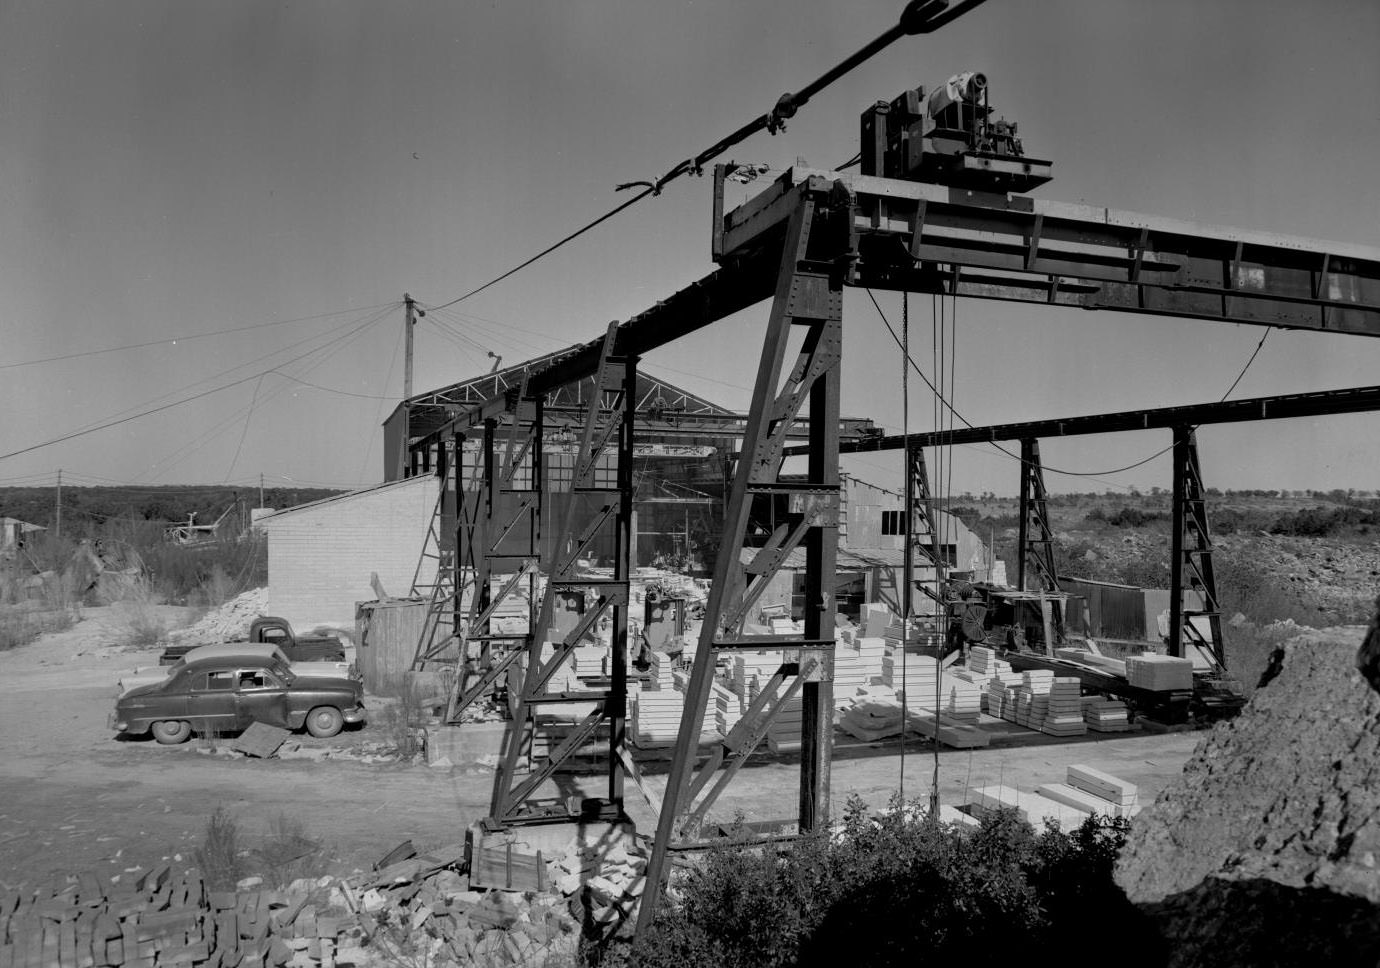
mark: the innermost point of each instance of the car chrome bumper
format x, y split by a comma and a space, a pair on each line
356, 715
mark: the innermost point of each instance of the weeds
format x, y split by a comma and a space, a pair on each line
401, 722
288, 853
19, 626
33, 605
219, 855
141, 626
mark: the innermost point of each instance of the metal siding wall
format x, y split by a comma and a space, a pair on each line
1114, 611
395, 445
386, 637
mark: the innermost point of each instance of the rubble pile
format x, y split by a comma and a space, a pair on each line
227, 623
420, 910
1266, 849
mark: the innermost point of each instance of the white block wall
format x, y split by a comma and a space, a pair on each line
320, 555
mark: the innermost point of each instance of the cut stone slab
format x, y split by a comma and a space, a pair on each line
261, 740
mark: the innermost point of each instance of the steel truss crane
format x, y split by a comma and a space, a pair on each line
1191, 564
801, 242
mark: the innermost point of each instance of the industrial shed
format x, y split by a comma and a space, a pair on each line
321, 555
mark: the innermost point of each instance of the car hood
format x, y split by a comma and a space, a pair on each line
145, 690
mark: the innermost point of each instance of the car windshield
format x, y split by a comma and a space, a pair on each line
281, 670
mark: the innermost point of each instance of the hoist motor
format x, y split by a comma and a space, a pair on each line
949, 138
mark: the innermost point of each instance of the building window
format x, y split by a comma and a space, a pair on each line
893, 523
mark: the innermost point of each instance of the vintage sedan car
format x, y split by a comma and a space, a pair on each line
148, 676
224, 692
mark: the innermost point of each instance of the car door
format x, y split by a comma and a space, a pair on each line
211, 701
260, 697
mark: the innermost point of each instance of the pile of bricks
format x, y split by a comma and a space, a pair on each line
437, 920
421, 910
166, 919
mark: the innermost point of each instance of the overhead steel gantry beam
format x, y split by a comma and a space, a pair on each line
919, 237
806, 237
1191, 564
1283, 406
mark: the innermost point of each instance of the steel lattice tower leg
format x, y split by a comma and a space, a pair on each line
1192, 554
809, 294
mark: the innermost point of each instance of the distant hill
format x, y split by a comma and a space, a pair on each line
87, 508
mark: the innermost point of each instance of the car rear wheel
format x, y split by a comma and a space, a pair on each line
170, 732
324, 721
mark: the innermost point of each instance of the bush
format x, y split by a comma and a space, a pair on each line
219, 854
898, 890
288, 852
1125, 517
20, 626
401, 722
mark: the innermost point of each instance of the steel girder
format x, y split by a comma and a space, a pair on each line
809, 295
1036, 537
930, 238
1279, 407
512, 503
1191, 564
447, 533
593, 504
922, 534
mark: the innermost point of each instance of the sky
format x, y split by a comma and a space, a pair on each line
170, 171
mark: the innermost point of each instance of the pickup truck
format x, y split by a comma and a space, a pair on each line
270, 630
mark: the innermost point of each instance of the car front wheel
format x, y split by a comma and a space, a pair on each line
324, 721
170, 732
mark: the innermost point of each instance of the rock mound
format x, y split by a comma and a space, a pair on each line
226, 623
1267, 848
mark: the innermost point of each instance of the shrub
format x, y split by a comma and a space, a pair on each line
20, 626
400, 722
288, 852
897, 890
219, 855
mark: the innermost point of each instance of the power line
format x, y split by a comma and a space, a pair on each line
378, 417
168, 406
326, 351
343, 393
188, 337
1095, 475
917, 17
245, 431
258, 359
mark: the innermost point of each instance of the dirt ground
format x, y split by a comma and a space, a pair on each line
73, 797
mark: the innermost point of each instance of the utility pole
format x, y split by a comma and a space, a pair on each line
261, 489
409, 322
57, 524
